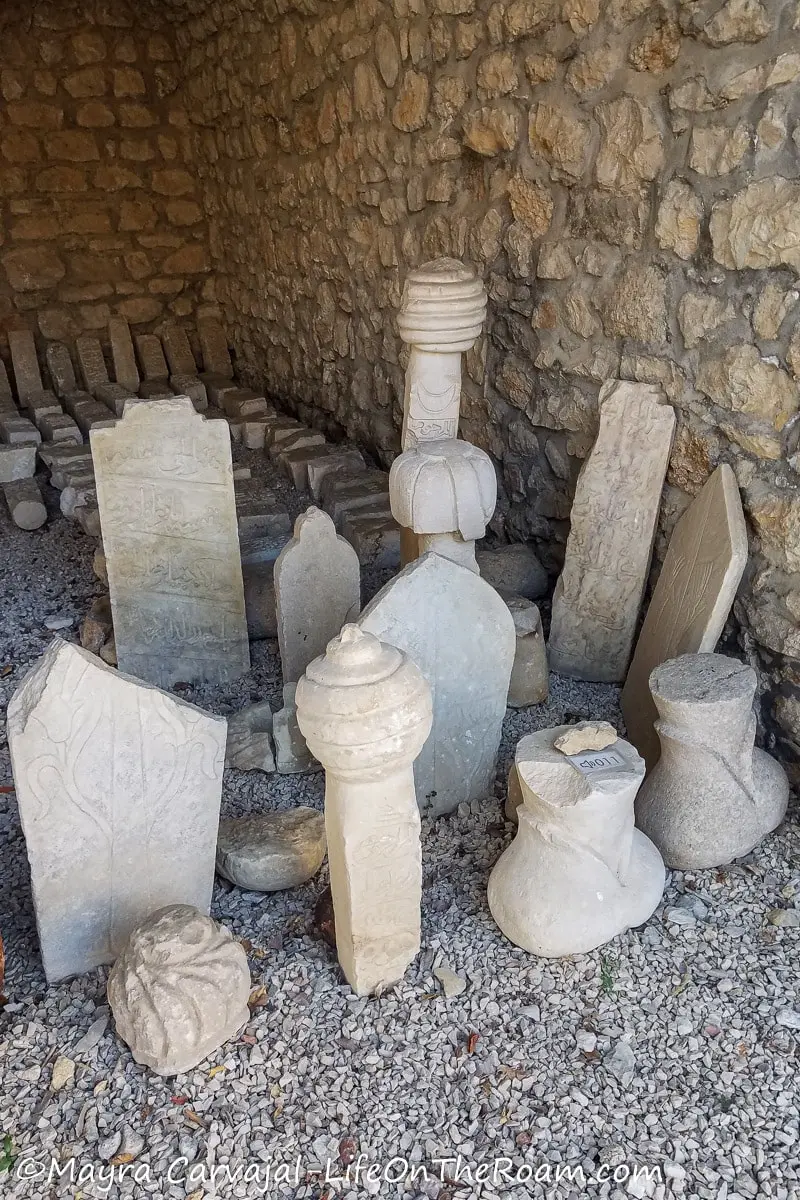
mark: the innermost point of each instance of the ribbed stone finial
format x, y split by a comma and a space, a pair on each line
441, 314
443, 307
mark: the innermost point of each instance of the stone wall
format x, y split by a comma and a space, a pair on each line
625, 175
100, 214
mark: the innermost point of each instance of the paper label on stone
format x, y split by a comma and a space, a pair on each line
119, 788
168, 515
592, 761
702, 568
612, 529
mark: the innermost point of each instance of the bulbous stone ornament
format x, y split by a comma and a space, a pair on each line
179, 989
578, 872
445, 492
365, 711
712, 795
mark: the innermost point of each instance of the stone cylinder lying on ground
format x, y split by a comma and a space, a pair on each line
365, 711
25, 503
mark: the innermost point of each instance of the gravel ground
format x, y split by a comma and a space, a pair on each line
667, 1062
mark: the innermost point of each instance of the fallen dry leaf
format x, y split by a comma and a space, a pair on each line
348, 1148
258, 997
192, 1116
474, 1038
119, 1159
215, 1071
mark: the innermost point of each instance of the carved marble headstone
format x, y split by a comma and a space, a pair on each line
119, 788
25, 362
125, 370
317, 589
365, 711
577, 872
167, 510
612, 528
62, 372
214, 347
461, 635
702, 568
712, 795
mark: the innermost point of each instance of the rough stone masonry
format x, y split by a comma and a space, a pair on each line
624, 174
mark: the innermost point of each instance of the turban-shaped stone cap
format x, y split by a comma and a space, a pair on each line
363, 705
443, 307
447, 486
179, 989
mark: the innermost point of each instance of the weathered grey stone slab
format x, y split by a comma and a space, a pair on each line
151, 357
42, 405
25, 503
191, 386
58, 427
18, 431
613, 524
704, 563
317, 589
461, 635
165, 493
17, 462
6, 395
336, 458
176, 345
214, 348
62, 372
25, 362
119, 790
92, 363
122, 355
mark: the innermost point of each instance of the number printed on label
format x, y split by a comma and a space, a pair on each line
597, 760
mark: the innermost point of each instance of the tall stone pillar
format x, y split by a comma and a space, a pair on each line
365, 711
441, 315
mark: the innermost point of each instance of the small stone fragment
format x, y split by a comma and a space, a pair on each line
249, 744
586, 735
292, 756
179, 989
621, 1063
63, 1073
271, 851
529, 675
452, 984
